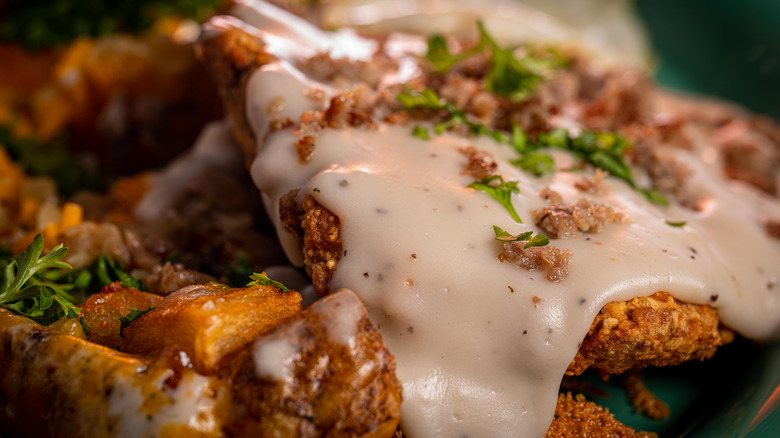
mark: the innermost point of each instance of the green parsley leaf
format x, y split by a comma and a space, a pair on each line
238, 272
263, 280
427, 99
134, 314
501, 193
83, 323
528, 237
439, 55
108, 271
510, 76
676, 224
654, 196
21, 293
537, 163
421, 132
604, 150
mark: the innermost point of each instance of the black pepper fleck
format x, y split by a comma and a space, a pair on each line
381, 211
510, 289
582, 301
410, 329
343, 183
414, 256
549, 331
316, 190
693, 250
525, 332
345, 253
714, 297
365, 274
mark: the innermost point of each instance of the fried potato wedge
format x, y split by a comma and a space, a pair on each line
209, 322
102, 311
53, 384
324, 372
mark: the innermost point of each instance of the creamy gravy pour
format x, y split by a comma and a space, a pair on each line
477, 354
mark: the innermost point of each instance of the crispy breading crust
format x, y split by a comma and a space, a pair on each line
649, 331
575, 417
231, 57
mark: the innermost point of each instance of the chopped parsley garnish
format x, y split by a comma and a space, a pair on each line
529, 237
421, 132
25, 292
676, 224
108, 271
134, 314
427, 99
604, 150
535, 162
238, 272
263, 280
501, 192
507, 75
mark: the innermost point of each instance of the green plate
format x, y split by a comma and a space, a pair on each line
721, 48
732, 50
734, 394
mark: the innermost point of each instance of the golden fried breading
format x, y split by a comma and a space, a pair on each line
231, 57
303, 377
641, 398
575, 417
649, 331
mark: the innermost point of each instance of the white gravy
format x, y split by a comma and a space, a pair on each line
477, 354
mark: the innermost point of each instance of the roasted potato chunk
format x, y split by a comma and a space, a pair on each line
102, 311
325, 373
209, 322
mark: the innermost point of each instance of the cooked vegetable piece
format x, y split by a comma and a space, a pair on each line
102, 311
209, 322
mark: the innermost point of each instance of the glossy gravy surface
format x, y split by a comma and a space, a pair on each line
481, 345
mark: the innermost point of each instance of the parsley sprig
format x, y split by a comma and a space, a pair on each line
134, 314
501, 192
263, 280
507, 75
427, 99
604, 150
529, 237
25, 295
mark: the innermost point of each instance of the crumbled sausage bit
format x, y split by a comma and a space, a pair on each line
304, 147
481, 163
594, 185
566, 221
279, 124
554, 261
551, 196
772, 227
